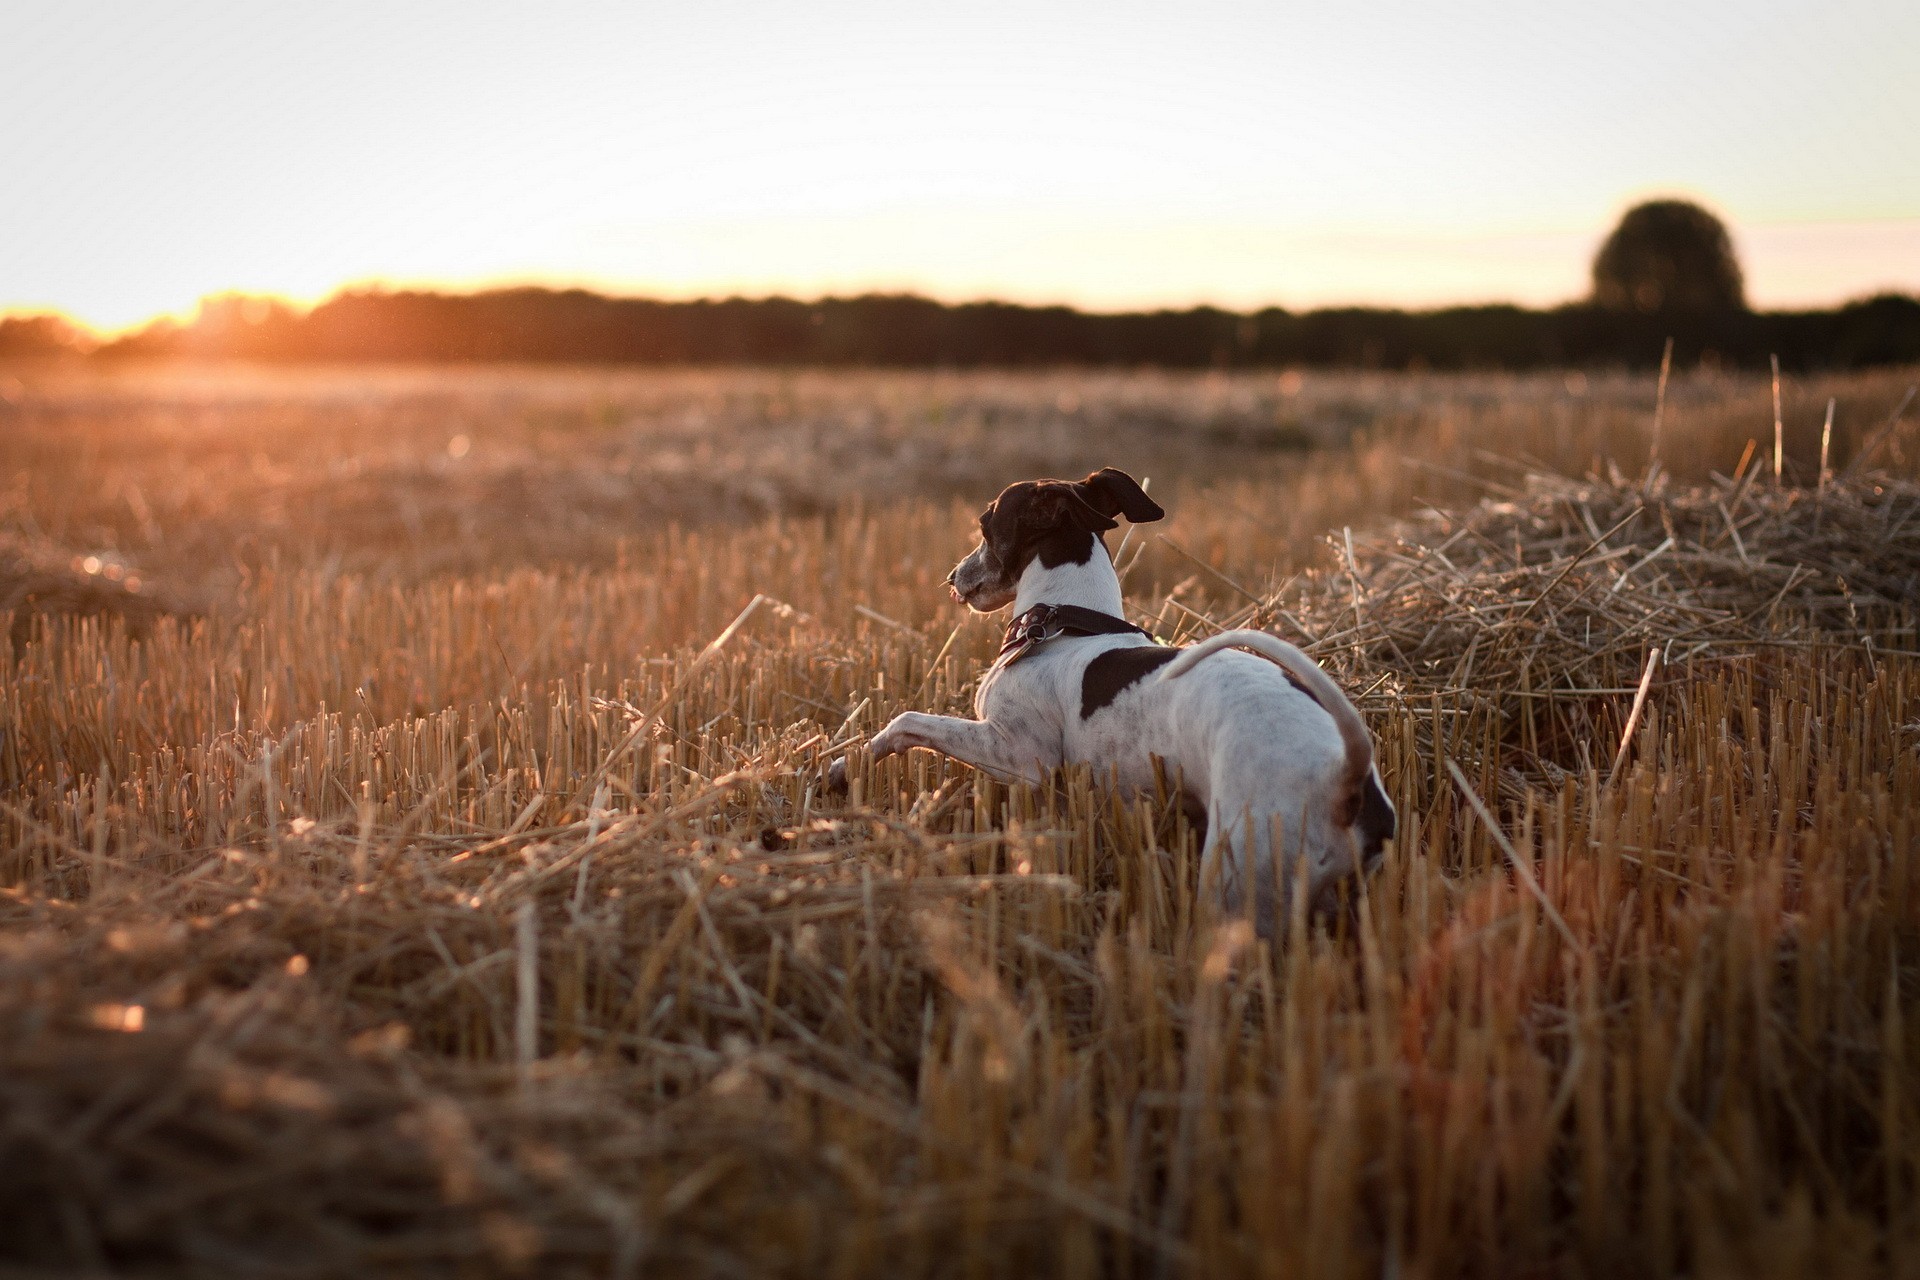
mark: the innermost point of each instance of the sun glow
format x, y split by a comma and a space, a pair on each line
1102, 158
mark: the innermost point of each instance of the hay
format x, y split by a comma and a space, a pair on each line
181, 1087
317, 960
1541, 605
37, 580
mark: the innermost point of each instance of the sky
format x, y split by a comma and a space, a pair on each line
1106, 155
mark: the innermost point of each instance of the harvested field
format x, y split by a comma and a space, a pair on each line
445, 886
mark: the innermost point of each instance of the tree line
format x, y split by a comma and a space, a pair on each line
541, 325
1666, 272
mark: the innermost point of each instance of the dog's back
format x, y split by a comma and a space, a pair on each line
1117, 714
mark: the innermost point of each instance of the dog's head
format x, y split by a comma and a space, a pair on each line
1053, 521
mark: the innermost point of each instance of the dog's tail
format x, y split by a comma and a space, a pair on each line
1320, 686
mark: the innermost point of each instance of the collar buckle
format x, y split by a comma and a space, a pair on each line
1038, 625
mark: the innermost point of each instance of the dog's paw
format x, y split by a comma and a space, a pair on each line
835, 781
888, 742
901, 735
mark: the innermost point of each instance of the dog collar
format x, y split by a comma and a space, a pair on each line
1045, 622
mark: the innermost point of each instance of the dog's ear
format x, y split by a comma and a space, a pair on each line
1074, 504
1115, 493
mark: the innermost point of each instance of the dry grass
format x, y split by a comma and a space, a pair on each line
352, 927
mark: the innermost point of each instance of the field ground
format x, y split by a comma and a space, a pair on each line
409, 867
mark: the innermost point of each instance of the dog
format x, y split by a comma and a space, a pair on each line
1266, 749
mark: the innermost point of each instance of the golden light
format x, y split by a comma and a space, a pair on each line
119, 1017
1083, 155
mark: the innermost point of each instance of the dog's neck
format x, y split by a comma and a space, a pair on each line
1091, 584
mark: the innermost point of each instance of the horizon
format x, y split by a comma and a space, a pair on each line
189, 316
1099, 158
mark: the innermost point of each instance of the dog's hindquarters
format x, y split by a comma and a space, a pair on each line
1269, 822
1318, 685
1277, 808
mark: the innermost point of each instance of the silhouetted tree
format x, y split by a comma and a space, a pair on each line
1668, 257
41, 336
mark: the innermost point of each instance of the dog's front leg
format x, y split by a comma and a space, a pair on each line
980, 743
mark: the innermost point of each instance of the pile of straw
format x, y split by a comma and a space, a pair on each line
192, 1097
605, 1043
38, 579
1553, 604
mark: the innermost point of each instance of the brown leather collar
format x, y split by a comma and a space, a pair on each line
1044, 622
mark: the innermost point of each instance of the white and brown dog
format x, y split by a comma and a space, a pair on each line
1271, 753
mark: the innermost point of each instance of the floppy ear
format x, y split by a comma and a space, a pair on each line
1074, 503
1114, 493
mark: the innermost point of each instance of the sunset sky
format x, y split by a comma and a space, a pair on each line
1102, 154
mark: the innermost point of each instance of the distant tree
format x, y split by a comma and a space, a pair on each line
41, 335
1668, 257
